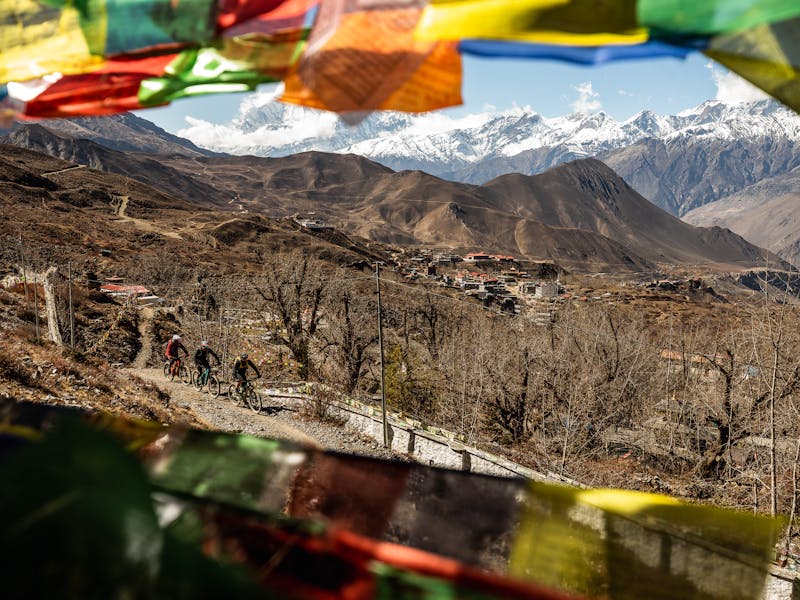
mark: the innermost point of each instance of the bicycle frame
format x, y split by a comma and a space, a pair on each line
245, 385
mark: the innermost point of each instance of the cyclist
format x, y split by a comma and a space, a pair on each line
201, 361
240, 366
172, 352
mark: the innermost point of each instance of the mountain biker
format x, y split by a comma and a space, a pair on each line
201, 360
172, 352
240, 366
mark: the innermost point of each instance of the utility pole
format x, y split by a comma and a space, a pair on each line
71, 311
380, 343
36, 308
24, 274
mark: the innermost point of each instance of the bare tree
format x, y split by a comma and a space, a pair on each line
292, 288
350, 330
436, 320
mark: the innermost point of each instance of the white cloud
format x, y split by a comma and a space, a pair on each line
732, 89
229, 138
285, 125
625, 93
264, 95
588, 100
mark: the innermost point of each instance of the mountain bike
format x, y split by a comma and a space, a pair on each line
246, 394
208, 379
178, 370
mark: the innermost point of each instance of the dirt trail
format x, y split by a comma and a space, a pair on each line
217, 413
142, 224
123, 206
72, 168
221, 414
145, 336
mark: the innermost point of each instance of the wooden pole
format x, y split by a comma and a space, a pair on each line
71, 309
36, 308
24, 274
380, 343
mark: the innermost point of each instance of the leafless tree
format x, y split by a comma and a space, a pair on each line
350, 329
292, 288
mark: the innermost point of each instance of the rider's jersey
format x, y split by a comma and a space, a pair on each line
240, 366
173, 348
201, 357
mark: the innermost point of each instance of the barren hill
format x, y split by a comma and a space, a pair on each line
589, 196
124, 132
765, 213
581, 214
66, 211
138, 166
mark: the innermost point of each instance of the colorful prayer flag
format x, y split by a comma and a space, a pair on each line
362, 56
564, 22
767, 55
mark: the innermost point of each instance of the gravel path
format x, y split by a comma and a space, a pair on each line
276, 420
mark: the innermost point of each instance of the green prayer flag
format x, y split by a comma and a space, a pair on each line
767, 56
243, 471
237, 64
116, 26
709, 17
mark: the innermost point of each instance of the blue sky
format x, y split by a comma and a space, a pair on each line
622, 89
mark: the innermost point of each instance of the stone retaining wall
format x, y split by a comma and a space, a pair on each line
440, 448
428, 445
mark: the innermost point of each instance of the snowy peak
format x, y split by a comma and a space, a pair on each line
478, 147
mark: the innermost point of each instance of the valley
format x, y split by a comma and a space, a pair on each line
541, 295
560, 320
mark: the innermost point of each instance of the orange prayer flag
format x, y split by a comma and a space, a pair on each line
361, 59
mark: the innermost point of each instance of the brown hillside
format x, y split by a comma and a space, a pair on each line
589, 196
62, 211
581, 214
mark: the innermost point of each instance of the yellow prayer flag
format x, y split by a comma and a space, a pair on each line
629, 545
561, 22
37, 39
767, 56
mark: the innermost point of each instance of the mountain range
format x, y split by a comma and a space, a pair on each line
715, 154
475, 149
581, 214
695, 165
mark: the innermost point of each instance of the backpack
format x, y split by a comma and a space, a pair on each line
200, 356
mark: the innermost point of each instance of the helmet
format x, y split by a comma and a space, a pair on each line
176, 338
204, 344
243, 355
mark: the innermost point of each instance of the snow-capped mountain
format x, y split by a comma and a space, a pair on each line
440, 144
677, 161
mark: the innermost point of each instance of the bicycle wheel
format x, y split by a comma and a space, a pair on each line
214, 386
253, 400
183, 373
166, 369
197, 381
234, 395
